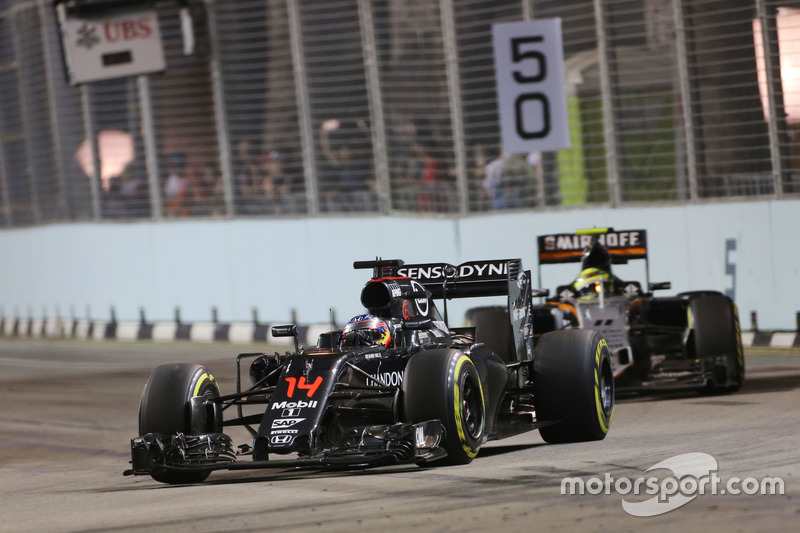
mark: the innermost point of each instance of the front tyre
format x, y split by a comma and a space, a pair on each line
573, 386
444, 384
167, 407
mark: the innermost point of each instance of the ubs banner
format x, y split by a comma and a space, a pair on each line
111, 44
529, 65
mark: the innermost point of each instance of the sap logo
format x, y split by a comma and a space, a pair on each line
281, 440
392, 379
291, 405
286, 422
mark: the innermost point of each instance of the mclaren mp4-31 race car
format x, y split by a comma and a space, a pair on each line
395, 385
691, 340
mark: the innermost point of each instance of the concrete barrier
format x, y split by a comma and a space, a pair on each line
239, 332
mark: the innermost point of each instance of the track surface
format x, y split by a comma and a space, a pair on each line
69, 409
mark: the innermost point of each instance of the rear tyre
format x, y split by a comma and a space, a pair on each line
165, 408
714, 321
573, 386
444, 385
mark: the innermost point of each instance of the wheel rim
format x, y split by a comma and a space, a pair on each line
606, 385
472, 407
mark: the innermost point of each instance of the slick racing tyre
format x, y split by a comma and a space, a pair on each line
714, 323
573, 386
166, 407
444, 385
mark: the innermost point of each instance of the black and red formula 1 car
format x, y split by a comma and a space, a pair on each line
691, 340
396, 385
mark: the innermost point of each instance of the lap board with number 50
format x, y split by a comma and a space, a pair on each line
532, 102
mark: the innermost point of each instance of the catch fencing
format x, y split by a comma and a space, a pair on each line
295, 108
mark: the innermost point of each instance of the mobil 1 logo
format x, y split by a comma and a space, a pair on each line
531, 97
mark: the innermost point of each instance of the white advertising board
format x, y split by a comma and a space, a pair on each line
531, 98
115, 45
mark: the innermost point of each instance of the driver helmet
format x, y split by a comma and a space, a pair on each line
590, 281
366, 330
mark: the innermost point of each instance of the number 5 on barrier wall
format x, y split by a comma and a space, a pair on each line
531, 97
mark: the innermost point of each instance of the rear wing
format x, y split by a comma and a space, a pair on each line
467, 280
496, 277
622, 246
568, 247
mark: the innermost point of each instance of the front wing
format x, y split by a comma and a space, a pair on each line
378, 445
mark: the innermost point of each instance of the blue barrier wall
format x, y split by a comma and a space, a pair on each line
750, 250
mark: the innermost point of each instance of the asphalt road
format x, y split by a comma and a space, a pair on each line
69, 409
